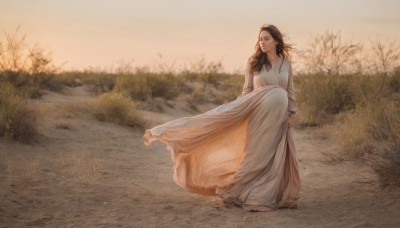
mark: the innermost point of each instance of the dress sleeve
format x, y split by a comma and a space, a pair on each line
291, 92
248, 81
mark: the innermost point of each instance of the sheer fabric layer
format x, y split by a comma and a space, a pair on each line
241, 151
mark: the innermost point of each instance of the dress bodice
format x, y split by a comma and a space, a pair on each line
279, 74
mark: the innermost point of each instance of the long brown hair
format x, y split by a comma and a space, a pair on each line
259, 58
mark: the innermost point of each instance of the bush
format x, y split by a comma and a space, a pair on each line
394, 83
114, 107
322, 96
18, 120
23, 84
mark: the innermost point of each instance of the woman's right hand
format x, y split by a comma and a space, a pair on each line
291, 119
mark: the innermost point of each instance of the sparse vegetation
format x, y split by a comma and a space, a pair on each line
342, 86
363, 100
143, 86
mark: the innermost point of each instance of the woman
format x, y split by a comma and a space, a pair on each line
242, 151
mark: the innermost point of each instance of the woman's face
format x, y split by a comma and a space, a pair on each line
266, 42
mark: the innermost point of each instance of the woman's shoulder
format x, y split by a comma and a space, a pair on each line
248, 63
287, 63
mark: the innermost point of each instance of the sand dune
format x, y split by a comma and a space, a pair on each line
86, 173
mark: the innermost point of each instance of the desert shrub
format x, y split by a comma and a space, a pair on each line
22, 83
224, 88
18, 120
31, 85
189, 76
322, 96
114, 107
197, 96
372, 132
98, 82
102, 81
366, 88
71, 78
330, 54
385, 122
229, 88
26, 66
146, 85
394, 82
389, 172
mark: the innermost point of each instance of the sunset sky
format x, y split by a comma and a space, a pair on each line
94, 33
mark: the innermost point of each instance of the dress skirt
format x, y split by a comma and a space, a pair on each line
242, 151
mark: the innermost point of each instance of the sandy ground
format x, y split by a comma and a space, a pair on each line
85, 173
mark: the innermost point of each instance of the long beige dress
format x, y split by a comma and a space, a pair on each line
241, 151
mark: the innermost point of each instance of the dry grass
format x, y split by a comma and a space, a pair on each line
372, 133
354, 136
365, 111
389, 173
22, 169
394, 82
34, 168
72, 109
82, 166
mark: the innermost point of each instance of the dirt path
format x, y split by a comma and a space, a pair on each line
86, 173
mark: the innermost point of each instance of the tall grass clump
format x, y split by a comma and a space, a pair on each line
116, 108
18, 120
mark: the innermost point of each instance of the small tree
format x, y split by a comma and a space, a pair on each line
385, 58
13, 52
17, 56
328, 53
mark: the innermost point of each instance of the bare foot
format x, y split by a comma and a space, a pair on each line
218, 200
261, 208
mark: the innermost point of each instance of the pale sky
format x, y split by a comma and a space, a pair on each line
100, 32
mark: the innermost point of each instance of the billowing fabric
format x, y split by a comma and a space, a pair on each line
241, 151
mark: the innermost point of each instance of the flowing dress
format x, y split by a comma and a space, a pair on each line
241, 151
